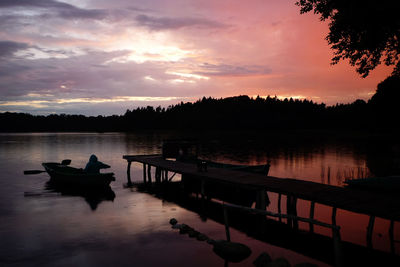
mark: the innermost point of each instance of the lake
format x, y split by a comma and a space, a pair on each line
126, 227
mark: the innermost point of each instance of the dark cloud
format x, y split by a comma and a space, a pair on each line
232, 70
165, 23
63, 10
8, 48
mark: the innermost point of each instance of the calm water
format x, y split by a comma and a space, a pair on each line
46, 228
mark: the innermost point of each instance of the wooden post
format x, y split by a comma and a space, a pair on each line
334, 215
202, 190
158, 175
149, 173
337, 247
228, 235
144, 173
261, 200
128, 172
279, 206
391, 236
312, 207
370, 230
289, 210
294, 208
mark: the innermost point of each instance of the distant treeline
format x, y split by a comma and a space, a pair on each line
240, 112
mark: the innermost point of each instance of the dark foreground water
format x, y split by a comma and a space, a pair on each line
124, 227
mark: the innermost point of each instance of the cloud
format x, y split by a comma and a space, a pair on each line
232, 70
8, 48
59, 9
167, 23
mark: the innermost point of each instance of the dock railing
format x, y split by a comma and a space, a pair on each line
335, 228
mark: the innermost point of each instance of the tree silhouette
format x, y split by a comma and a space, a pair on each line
362, 31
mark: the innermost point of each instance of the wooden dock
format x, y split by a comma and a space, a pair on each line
373, 204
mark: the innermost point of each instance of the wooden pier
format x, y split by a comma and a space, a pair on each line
373, 204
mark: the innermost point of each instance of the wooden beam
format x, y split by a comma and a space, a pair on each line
334, 215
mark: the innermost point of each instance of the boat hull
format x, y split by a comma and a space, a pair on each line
70, 176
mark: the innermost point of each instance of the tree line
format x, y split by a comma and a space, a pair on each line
239, 112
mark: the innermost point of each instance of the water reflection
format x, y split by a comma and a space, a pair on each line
93, 196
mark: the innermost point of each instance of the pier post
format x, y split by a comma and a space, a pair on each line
312, 207
289, 210
279, 206
337, 247
261, 200
391, 236
144, 173
294, 207
158, 175
128, 172
149, 173
370, 230
228, 235
334, 216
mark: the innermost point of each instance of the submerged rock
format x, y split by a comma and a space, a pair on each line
173, 221
230, 251
201, 237
177, 226
193, 233
263, 260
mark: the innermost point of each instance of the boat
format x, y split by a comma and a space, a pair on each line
62, 174
387, 183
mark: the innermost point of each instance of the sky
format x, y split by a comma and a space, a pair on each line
101, 57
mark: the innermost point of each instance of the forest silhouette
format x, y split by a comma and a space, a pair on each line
231, 113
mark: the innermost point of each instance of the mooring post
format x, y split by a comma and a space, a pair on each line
370, 230
202, 190
149, 173
289, 210
279, 206
337, 246
144, 173
228, 235
158, 175
128, 172
294, 207
391, 236
334, 216
312, 207
261, 199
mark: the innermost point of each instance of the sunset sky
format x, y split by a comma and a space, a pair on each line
102, 57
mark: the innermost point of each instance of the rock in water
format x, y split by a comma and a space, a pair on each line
173, 221
262, 260
230, 251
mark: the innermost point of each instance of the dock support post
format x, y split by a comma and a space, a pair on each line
202, 189
144, 173
391, 236
334, 216
289, 210
158, 175
279, 206
294, 207
370, 229
337, 247
312, 208
128, 172
228, 235
149, 173
261, 200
